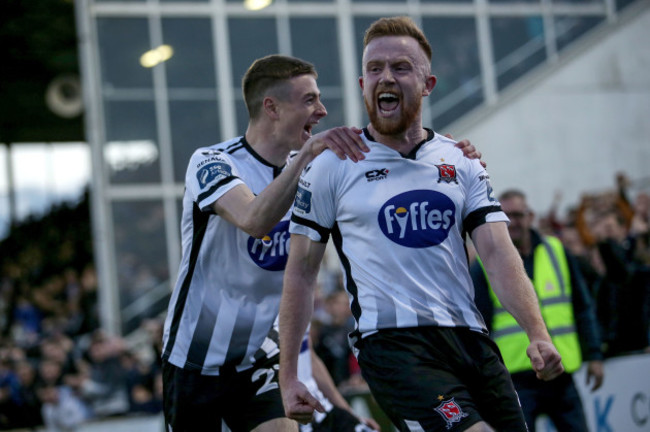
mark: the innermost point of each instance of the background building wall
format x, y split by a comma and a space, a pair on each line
575, 124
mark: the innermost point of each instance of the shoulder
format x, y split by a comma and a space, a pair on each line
326, 161
442, 147
218, 152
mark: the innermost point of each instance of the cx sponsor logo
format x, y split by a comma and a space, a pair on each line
378, 174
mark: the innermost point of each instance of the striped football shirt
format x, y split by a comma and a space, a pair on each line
398, 223
227, 294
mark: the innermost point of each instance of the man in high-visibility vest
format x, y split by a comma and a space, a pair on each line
567, 310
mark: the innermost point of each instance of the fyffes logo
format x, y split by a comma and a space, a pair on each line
417, 219
271, 251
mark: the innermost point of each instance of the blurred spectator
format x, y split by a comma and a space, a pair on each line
102, 378
27, 319
50, 372
62, 409
141, 380
10, 400
88, 301
624, 294
332, 339
29, 413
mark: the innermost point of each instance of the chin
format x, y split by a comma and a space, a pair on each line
388, 126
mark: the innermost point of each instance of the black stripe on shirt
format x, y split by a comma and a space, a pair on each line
200, 223
212, 189
322, 231
477, 217
350, 284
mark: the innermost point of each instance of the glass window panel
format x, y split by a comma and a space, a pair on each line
140, 259
131, 148
242, 116
122, 41
622, 4
32, 177
518, 45
310, 1
307, 33
192, 64
570, 28
69, 184
43, 175
250, 39
456, 64
194, 124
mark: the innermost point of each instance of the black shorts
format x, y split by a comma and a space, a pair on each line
193, 402
440, 379
337, 420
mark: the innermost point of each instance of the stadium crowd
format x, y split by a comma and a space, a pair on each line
59, 368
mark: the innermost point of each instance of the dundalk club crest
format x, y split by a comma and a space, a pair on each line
447, 173
450, 411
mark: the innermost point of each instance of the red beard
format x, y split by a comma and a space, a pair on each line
394, 126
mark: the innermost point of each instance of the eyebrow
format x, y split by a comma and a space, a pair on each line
311, 94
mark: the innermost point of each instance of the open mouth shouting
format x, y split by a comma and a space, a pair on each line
307, 130
388, 103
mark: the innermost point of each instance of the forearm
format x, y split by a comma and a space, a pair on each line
509, 280
296, 306
517, 295
295, 312
268, 208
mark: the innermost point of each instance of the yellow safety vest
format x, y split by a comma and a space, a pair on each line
552, 283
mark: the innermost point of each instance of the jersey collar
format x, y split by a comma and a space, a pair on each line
412, 153
276, 169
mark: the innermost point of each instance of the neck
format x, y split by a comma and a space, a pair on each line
265, 144
403, 142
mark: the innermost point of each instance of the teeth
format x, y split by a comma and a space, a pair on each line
387, 96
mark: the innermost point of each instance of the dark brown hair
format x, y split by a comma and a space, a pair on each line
268, 74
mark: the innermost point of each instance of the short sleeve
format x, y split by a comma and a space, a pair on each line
481, 199
210, 174
314, 212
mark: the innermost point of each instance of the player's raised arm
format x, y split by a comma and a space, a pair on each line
257, 214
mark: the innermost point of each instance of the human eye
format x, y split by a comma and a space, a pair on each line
403, 67
373, 68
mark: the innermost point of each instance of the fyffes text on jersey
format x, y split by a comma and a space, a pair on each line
271, 251
418, 218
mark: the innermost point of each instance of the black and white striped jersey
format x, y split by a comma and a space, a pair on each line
398, 224
227, 294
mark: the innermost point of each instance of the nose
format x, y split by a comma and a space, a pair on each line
321, 111
387, 75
